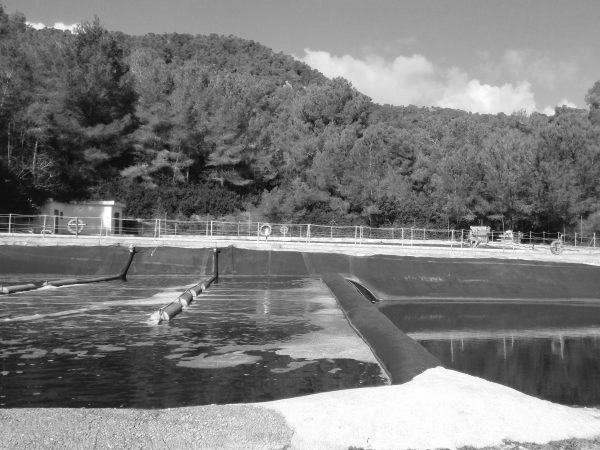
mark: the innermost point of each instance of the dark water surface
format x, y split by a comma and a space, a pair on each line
244, 340
549, 350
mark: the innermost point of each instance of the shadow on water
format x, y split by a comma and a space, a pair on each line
551, 351
244, 340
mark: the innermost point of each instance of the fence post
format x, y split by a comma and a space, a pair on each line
543, 237
238, 229
211, 228
411, 236
308, 232
424, 238
452, 241
576, 239
402, 232
44, 226
76, 227
9, 221
461, 237
594, 240
355, 233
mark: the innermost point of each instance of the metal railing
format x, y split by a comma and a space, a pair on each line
48, 225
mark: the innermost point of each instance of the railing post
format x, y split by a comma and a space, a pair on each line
402, 237
211, 228
462, 232
576, 239
76, 227
355, 234
9, 221
308, 232
44, 226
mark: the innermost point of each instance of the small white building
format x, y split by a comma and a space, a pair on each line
90, 217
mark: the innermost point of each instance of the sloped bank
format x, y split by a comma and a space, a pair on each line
388, 277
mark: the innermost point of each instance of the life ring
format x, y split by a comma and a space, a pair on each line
75, 226
556, 247
265, 230
283, 229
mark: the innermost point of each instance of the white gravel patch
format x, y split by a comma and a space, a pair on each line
438, 409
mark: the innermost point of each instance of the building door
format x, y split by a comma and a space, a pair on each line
116, 223
55, 219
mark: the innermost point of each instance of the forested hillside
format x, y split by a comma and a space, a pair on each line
211, 125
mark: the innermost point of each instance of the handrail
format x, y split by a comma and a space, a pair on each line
46, 226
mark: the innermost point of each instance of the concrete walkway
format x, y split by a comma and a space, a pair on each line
430, 249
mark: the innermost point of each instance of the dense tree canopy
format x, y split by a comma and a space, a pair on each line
213, 125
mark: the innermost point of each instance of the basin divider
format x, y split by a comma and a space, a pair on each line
401, 357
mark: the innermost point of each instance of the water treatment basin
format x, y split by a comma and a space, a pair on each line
546, 348
246, 339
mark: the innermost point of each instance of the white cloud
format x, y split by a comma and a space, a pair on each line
416, 80
61, 26
36, 25
58, 25
549, 110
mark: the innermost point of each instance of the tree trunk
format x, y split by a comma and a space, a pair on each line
8, 149
34, 161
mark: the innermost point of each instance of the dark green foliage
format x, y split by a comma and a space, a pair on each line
210, 125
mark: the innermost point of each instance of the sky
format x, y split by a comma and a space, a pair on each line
477, 55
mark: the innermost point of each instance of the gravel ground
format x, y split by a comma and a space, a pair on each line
566, 444
204, 427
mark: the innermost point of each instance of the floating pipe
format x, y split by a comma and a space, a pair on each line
71, 281
197, 290
19, 288
186, 298
122, 275
166, 313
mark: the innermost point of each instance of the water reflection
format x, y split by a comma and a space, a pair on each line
550, 351
243, 340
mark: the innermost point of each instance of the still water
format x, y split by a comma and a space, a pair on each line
243, 340
548, 350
